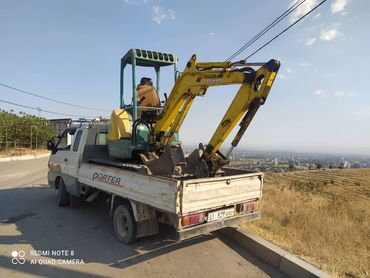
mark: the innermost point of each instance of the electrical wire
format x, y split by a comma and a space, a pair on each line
50, 99
267, 28
245, 46
286, 29
45, 111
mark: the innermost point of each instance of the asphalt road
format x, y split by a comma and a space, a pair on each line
32, 225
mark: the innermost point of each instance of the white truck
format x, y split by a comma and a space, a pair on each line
83, 170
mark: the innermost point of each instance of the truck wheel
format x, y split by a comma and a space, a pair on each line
63, 196
124, 224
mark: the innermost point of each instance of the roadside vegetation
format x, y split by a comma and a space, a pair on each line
323, 216
20, 133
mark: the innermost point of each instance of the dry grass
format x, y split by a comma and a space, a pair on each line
322, 216
21, 151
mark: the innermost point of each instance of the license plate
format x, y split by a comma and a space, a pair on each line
220, 214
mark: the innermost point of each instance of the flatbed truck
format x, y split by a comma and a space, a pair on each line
139, 200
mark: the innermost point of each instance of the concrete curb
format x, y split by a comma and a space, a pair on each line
22, 157
273, 255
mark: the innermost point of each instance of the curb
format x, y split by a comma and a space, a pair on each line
273, 255
22, 157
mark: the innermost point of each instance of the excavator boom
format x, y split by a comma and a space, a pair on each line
195, 81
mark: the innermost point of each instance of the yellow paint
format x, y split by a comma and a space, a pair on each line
120, 125
271, 79
194, 81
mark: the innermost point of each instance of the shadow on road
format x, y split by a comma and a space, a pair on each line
87, 231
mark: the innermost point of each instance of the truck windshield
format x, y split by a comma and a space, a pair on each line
65, 139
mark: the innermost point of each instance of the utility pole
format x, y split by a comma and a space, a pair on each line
6, 138
39, 109
36, 140
33, 126
31, 139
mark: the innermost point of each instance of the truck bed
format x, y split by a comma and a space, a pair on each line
178, 196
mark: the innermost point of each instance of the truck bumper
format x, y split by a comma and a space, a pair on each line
213, 226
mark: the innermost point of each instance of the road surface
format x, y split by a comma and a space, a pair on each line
39, 239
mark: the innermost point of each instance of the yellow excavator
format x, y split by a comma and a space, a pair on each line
146, 130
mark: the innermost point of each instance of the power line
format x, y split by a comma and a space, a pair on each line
267, 28
50, 99
286, 29
46, 111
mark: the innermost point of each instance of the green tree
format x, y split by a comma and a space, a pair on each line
17, 129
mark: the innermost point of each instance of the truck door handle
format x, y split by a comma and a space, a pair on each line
66, 159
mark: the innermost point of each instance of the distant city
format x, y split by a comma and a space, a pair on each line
274, 161
284, 161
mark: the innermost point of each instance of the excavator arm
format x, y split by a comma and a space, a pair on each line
255, 79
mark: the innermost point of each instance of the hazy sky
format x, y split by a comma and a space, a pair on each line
70, 50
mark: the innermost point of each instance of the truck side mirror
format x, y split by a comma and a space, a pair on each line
50, 145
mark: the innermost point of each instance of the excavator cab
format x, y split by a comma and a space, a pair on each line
129, 125
143, 58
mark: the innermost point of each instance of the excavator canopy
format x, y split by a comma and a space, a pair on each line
144, 58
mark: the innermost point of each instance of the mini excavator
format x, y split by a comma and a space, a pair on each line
146, 130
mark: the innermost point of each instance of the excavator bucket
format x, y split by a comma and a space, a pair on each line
170, 163
196, 165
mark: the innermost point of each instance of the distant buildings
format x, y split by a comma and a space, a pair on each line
286, 161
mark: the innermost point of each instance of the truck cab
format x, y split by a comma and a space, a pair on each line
67, 154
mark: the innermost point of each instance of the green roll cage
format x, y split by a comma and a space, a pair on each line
144, 58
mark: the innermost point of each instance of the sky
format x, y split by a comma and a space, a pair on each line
70, 50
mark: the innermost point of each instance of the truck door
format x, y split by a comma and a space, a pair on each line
67, 156
61, 153
74, 158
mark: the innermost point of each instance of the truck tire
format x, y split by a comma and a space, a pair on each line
63, 196
124, 224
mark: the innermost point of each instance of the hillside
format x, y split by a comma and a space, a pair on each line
323, 216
